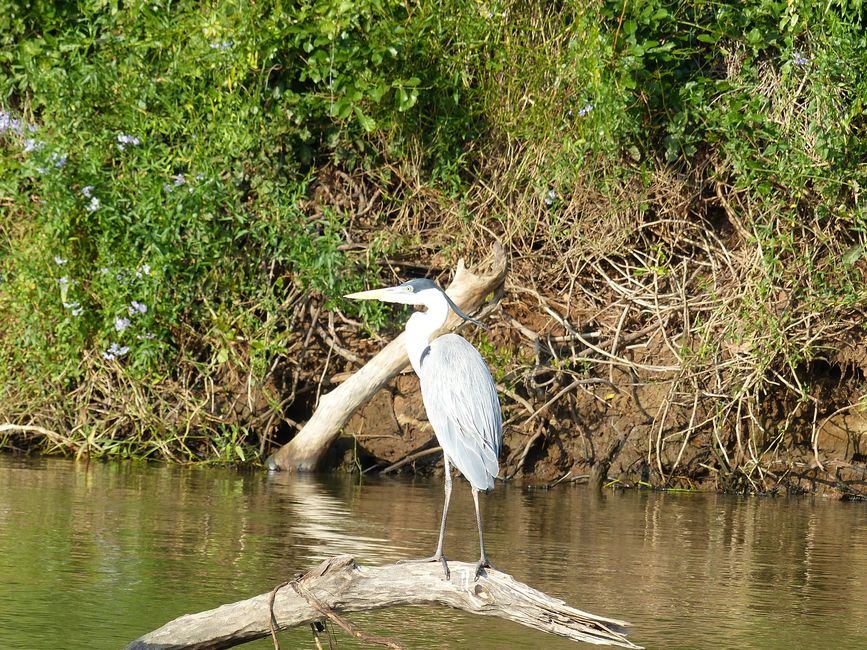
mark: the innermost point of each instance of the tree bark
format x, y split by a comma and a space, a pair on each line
305, 450
340, 585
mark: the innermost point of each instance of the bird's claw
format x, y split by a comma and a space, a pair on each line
433, 558
482, 564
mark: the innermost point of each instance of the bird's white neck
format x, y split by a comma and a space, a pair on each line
422, 325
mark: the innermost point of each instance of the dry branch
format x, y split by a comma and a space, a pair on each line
340, 585
303, 452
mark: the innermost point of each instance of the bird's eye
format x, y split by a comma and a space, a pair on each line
408, 289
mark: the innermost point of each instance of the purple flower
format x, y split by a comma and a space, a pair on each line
87, 191
121, 323
584, 111
9, 123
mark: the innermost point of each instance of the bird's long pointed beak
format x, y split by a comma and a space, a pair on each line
373, 294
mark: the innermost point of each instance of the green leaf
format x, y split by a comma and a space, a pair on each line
367, 123
853, 254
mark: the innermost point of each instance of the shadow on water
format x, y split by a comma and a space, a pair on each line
93, 555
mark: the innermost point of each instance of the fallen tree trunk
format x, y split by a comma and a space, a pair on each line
304, 451
340, 585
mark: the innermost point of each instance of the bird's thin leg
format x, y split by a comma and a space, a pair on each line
438, 555
448, 491
484, 562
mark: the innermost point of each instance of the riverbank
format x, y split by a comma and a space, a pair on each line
187, 193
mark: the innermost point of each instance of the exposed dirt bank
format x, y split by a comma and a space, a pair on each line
609, 433
633, 349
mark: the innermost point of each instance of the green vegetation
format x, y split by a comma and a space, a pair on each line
188, 187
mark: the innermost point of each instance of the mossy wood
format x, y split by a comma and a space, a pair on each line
340, 585
304, 451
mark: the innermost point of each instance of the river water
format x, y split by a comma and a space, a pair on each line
93, 555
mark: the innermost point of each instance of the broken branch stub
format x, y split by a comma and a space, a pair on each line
304, 451
339, 585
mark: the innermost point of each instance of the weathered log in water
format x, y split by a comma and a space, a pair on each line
304, 451
340, 585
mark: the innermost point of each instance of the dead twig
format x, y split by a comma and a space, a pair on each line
411, 458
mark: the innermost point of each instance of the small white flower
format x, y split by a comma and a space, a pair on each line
63, 281
94, 204
59, 260
114, 351
32, 145
123, 140
87, 191
550, 197
121, 323
136, 307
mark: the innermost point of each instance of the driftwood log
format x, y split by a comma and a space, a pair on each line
304, 451
340, 585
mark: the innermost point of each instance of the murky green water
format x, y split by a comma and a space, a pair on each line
93, 555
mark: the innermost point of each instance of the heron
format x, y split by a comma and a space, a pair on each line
458, 392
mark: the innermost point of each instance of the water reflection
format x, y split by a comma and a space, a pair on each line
323, 525
93, 555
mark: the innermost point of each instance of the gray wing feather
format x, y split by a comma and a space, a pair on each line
461, 403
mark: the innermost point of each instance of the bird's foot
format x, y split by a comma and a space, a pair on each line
439, 557
481, 565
